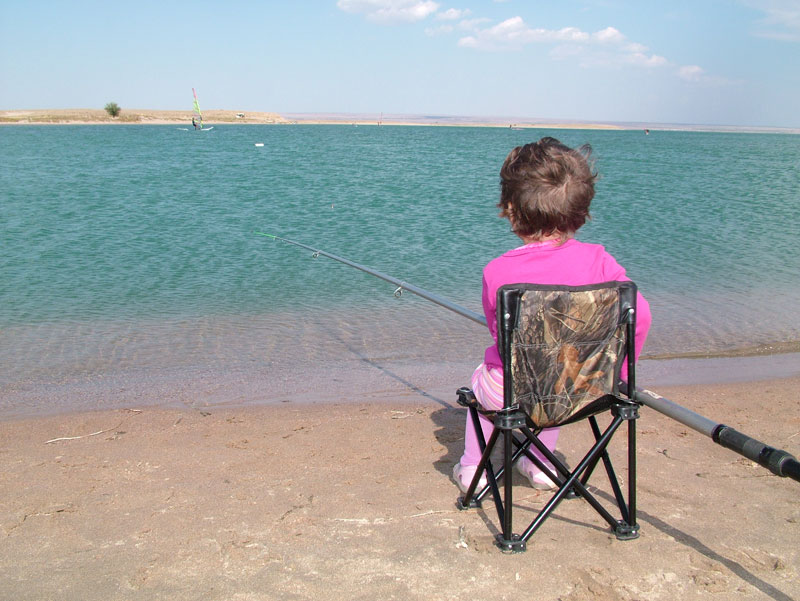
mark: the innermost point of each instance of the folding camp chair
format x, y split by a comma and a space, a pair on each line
563, 349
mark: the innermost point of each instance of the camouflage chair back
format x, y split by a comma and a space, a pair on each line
563, 350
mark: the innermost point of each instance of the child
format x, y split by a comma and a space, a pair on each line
545, 192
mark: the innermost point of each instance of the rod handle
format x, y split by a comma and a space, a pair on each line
775, 460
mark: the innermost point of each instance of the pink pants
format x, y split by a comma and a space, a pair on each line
487, 384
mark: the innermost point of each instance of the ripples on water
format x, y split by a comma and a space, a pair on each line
132, 248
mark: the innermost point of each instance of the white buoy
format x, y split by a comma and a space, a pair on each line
259, 144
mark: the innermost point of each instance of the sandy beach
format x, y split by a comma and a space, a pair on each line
352, 499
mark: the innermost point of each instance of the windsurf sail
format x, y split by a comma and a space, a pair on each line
197, 117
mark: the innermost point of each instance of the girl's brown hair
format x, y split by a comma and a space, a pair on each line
546, 187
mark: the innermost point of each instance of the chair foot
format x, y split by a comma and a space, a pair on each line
515, 545
473, 504
625, 531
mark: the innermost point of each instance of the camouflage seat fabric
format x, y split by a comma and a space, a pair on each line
565, 353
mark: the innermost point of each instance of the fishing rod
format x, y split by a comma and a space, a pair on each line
401, 285
775, 460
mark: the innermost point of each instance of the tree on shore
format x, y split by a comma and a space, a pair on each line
112, 108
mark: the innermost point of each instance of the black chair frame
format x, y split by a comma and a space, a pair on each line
511, 418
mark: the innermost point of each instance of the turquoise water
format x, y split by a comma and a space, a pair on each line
130, 249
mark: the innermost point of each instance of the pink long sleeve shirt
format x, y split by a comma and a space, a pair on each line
573, 263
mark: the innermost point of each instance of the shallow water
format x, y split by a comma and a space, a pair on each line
130, 250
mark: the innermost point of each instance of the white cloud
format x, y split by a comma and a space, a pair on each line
781, 19
453, 14
691, 73
390, 11
571, 34
514, 33
464, 25
644, 60
634, 47
697, 75
472, 24
604, 48
609, 34
571, 43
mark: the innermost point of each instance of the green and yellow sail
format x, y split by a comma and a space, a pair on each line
198, 116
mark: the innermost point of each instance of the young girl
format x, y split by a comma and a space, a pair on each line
545, 192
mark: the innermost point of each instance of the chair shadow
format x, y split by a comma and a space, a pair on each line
451, 423
681, 537
676, 534
735, 567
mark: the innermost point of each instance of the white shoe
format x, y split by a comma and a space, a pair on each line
538, 479
463, 475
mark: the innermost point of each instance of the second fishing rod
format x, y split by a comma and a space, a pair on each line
777, 461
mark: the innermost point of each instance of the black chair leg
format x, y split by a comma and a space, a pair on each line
571, 483
628, 528
507, 541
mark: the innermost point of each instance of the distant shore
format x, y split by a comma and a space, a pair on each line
157, 117
218, 117
131, 117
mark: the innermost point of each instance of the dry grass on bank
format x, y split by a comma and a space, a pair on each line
142, 116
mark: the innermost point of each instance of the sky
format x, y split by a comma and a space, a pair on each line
705, 62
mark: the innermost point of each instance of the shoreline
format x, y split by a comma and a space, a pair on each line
243, 386
353, 500
222, 117
759, 350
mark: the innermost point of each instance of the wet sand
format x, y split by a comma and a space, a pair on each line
351, 499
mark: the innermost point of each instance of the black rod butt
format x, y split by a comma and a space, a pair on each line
775, 460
